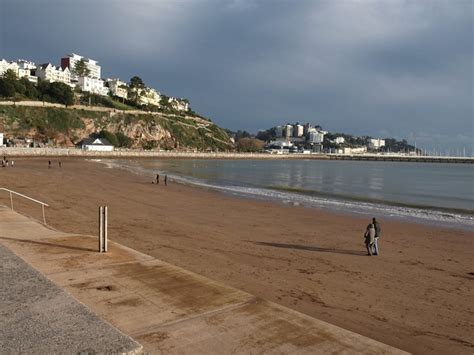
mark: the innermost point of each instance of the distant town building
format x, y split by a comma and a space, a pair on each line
298, 130
92, 85
347, 150
339, 140
178, 104
1, 140
376, 143
149, 96
279, 131
70, 63
118, 88
26, 70
315, 136
5, 65
51, 73
97, 144
288, 131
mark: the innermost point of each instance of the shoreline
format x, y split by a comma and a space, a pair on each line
440, 217
79, 153
413, 296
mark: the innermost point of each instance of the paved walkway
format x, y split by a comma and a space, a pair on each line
38, 317
168, 309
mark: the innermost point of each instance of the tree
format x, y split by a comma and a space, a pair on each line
81, 69
7, 88
250, 145
59, 92
137, 83
112, 138
10, 74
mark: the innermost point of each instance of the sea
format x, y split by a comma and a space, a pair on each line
439, 194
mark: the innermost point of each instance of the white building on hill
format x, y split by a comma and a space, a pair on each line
149, 96
92, 85
118, 88
339, 140
315, 136
5, 65
298, 130
71, 60
178, 104
49, 72
26, 70
376, 143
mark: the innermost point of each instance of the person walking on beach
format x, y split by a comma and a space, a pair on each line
166, 180
369, 238
60, 164
49, 164
377, 235
158, 179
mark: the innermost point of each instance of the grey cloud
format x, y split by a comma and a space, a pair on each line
371, 67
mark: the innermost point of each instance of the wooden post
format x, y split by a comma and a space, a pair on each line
100, 228
11, 200
105, 228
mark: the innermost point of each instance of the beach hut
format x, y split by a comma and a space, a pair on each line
97, 144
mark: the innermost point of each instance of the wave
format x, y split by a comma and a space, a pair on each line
455, 218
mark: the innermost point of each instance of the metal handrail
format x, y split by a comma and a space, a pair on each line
28, 198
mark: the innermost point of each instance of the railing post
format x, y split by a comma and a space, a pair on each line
44, 216
105, 228
11, 200
101, 232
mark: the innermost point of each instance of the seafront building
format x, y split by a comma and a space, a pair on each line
376, 143
91, 82
117, 88
51, 73
92, 85
72, 59
22, 68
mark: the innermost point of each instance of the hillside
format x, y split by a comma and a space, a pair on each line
65, 127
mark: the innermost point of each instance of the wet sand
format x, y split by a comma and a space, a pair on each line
417, 295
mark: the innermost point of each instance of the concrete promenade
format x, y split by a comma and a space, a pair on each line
79, 153
165, 308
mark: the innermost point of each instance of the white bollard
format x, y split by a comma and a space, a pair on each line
103, 229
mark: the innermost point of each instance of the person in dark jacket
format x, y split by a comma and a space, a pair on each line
377, 236
369, 237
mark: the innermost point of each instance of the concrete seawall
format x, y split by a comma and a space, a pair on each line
73, 152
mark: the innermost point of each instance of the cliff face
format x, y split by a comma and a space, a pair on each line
67, 127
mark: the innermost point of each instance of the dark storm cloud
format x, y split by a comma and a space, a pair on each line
383, 68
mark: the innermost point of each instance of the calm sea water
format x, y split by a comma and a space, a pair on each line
441, 194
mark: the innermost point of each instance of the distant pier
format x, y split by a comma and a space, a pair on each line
402, 158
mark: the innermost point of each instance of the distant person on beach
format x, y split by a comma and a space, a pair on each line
369, 238
166, 180
158, 179
13, 163
49, 164
377, 236
60, 164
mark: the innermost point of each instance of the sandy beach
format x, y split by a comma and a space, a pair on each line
417, 295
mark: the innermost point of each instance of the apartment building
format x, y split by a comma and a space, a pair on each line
376, 143
70, 63
51, 73
92, 85
118, 88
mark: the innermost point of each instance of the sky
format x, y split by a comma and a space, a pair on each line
388, 68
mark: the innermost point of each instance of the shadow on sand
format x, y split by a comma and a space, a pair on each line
47, 244
310, 248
